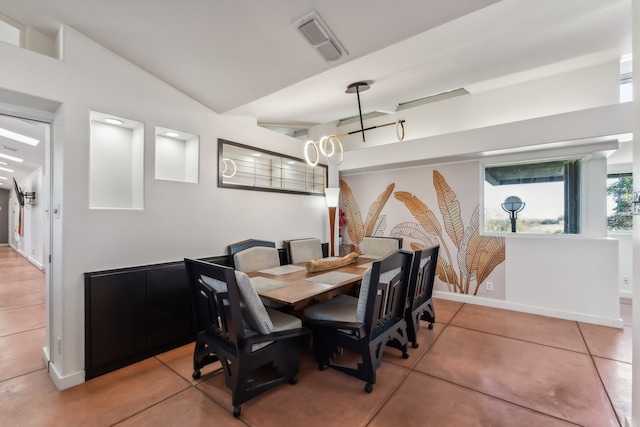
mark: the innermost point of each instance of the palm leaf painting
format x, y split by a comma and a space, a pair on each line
428, 221
375, 210
355, 229
477, 255
449, 207
447, 274
375, 223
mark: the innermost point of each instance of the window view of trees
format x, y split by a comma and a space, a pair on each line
620, 203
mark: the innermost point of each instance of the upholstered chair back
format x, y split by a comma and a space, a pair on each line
305, 250
378, 246
256, 258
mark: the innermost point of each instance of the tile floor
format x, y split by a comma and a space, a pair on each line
478, 367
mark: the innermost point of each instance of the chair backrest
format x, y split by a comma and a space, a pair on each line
379, 246
383, 292
213, 307
249, 243
423, 271
301, 250
253, 255
224, 301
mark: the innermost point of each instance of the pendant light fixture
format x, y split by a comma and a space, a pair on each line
331, 147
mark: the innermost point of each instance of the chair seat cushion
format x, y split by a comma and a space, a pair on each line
282, 321
341, 308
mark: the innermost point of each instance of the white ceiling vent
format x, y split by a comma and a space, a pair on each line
318, 35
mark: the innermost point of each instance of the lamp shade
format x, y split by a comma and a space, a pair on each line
332, 194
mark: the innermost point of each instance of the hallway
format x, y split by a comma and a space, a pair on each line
478, 366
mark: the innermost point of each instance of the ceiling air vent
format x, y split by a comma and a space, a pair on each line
318, 35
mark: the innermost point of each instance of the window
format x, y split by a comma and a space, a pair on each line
620, 202
549, 192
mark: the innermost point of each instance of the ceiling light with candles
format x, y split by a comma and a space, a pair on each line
331, 147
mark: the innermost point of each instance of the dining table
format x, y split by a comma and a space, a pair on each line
294, 286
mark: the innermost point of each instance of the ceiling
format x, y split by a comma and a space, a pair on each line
247, 57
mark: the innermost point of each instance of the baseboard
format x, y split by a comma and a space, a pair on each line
4, 244
64, 382
36, 263
46, 357
489, 302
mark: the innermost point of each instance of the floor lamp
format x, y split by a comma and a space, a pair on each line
332, 195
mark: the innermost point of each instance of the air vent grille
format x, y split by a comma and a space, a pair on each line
329, 51
313, 33
320, 37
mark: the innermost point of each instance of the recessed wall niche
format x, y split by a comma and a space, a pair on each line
116, 162
176, 155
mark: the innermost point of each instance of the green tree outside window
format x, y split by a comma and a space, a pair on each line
622, 192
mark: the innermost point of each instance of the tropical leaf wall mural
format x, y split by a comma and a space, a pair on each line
374, 224
466, 258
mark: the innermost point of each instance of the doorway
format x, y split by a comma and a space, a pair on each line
23, 121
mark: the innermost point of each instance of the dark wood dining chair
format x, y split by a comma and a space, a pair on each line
302, 250
364, 325
420, 307
258, 347
377, 246
253, 255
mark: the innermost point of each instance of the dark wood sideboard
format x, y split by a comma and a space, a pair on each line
137, 312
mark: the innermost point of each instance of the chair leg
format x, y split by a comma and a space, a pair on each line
412, 320
429, 313
202, 356
324, 349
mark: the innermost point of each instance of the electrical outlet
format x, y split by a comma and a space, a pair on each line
625, 280
489, 286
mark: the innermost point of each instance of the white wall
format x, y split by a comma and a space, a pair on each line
573, 277
625, 261
567, 129
33, 245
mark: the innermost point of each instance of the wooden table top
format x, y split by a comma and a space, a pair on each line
294, 286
